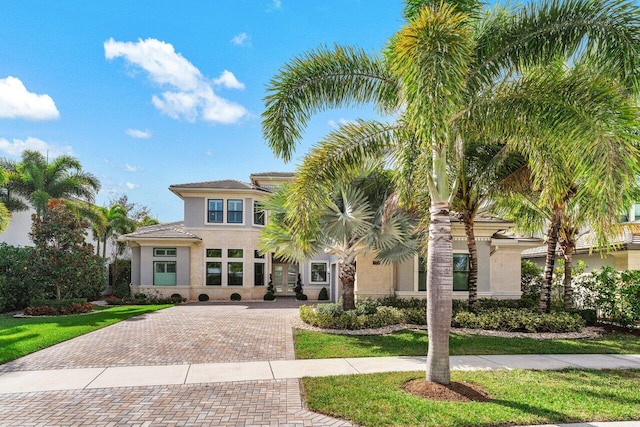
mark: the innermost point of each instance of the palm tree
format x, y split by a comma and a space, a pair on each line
483, 168
353, 220
114, 223
451, 71
39, 180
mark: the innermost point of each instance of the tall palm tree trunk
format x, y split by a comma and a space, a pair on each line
568, 247
439, 292
552, 241
468, 221
348, 279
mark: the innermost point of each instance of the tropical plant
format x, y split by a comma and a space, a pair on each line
454, 72
39, 180
5, 215
482, 169
348, 225
62, 262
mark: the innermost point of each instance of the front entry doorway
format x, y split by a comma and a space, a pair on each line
285, 277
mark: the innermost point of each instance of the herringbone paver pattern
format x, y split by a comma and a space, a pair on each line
260, 403
178, 335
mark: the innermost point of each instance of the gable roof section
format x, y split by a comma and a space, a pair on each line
225, 184
169, 231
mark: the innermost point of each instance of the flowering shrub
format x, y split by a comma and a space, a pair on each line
58, 307
614, 294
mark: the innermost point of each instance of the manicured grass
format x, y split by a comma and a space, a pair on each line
519, 397
318, 345
21, 336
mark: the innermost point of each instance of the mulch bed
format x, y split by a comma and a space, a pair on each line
452, 392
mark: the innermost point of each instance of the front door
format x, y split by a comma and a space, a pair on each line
285, 277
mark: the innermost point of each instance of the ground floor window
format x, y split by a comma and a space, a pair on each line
460, 273
164, 273
422, 274
214, 273
258, 274
319, 272
234, 273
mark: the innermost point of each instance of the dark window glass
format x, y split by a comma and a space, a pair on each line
256, 254
422, 274
318, 272
235, 253
258, 214
215, 210
234, 211
460, 272
234, 273
214, 273
258, 273
214, 253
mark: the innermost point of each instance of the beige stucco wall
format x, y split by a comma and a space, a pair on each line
505, 273
373, 281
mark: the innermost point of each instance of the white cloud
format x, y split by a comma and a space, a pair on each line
277, 4
130, 168
190, 95
228, 80
137, 133
242, 39
16, 102
17, 146
131, 186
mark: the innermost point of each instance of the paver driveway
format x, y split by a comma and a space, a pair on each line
192, 333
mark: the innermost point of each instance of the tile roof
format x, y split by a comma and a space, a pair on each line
169, 231
225, 184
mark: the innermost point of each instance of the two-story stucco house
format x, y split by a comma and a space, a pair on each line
214, 252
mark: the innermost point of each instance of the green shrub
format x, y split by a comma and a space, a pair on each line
236, 296
384, 316
17, 286
615, 295
520, 320
301, 297
589, 315
122, 290
269, 296
203, 297
323, 295
415, 316
176, 298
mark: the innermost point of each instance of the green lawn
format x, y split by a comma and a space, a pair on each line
21, 336
519, 397
318, 345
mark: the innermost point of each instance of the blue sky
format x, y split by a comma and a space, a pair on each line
148, 94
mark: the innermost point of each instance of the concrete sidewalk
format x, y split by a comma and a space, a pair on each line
203, 373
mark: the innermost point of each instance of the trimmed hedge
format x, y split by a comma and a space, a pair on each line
513, 320
269, 296
203, 297
236, 296
379, 313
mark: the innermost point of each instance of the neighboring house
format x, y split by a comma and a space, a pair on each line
17, 233
625, 253
213, 251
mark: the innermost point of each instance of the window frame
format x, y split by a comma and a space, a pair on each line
220, 211
229, 273
466, 271
206, 279
165, 263
326, 273
157, 254
255, 273
259, 213
235, 212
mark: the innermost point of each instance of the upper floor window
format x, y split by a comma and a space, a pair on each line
258, 214
164, 252
214, 212
234, 211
